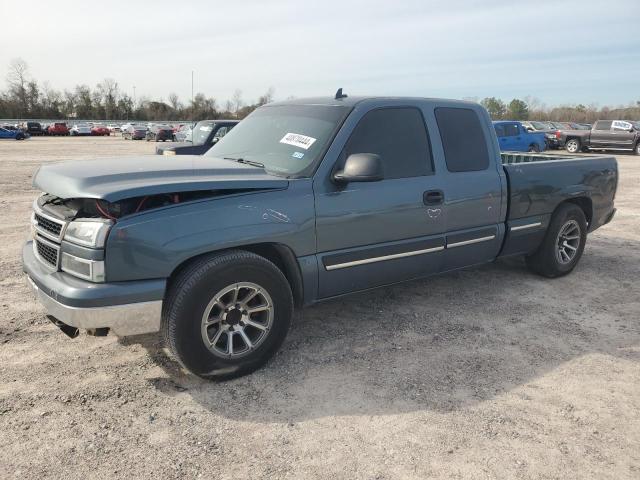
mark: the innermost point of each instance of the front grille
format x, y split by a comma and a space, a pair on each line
47, 253
54, 228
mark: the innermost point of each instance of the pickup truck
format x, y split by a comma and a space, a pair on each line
513, 137
303, 201
205, 134
604, 135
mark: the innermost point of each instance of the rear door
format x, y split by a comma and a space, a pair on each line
601, 134
474, 186
377, 233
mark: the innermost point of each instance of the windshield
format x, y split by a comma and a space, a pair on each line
288, 139
201, 132
539, 126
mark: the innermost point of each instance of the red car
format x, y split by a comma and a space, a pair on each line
58, 129
100, 130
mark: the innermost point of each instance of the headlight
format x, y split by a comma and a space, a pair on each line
89, 232
169, 152
92, 270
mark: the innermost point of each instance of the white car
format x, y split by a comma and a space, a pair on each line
113, 128
80, 129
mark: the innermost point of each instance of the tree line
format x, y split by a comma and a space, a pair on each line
25, 98
532, 109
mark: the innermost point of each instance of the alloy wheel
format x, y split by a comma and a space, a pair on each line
237, 320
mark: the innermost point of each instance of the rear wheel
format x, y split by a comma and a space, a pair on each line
563, 243
637, 149
227, 314
534, 148
573, 145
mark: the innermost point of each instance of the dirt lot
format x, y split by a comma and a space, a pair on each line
486, 373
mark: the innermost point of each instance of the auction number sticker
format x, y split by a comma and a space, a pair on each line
297, 140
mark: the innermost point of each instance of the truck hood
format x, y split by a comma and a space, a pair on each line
120, 178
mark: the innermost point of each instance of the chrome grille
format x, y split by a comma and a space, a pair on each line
46, 252
53, 227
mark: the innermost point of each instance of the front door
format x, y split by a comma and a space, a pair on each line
377, 233
623, 135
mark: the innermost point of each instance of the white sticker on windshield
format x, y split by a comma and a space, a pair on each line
297, 140
297, 155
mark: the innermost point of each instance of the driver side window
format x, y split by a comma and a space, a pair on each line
399, 136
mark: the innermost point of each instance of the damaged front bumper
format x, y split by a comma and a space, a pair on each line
125, 308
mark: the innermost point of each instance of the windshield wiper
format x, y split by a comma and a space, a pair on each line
245, 161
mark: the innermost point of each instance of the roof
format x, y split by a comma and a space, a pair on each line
353, 101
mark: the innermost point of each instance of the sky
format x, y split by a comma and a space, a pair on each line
560, 52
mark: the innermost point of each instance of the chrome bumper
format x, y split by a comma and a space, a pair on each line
122, 320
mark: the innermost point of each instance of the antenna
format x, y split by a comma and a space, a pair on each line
340, 95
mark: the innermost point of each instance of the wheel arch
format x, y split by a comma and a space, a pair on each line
277, 253
585, 203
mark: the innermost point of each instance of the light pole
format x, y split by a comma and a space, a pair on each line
192, 105
134, 99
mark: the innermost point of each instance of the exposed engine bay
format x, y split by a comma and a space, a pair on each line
71, 208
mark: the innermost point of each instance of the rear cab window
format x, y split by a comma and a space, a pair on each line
463, 139
603, 125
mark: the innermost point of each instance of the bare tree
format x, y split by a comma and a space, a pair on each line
267, 97
108, 92
174, 101
237, 101
17, 78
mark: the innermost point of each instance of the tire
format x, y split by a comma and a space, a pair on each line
191, 299
20, 137
534, 148
573, 145
636, 150
567, 222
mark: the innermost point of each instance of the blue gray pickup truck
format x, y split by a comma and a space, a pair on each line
303, 201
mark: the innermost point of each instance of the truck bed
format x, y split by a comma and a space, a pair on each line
537, 183
509, 158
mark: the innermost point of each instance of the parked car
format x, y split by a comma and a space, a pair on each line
11, 127
58, 128
114, 128
512, 136
16, 134
100, 131
134, 132
181, 134
604, 135
546, 128
32, 128
159, 133
205, 134
303, 201
80, 129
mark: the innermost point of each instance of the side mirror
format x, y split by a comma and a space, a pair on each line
360, 167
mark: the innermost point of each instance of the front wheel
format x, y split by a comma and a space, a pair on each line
227, 314
573, 145
563, 243
637, 149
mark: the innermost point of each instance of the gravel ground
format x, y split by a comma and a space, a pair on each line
485, 373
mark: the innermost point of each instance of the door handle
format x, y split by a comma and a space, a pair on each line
433, 197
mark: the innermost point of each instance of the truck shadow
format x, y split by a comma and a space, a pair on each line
439, 344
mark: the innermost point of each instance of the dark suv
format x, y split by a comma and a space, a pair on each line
32, 128
204, 135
